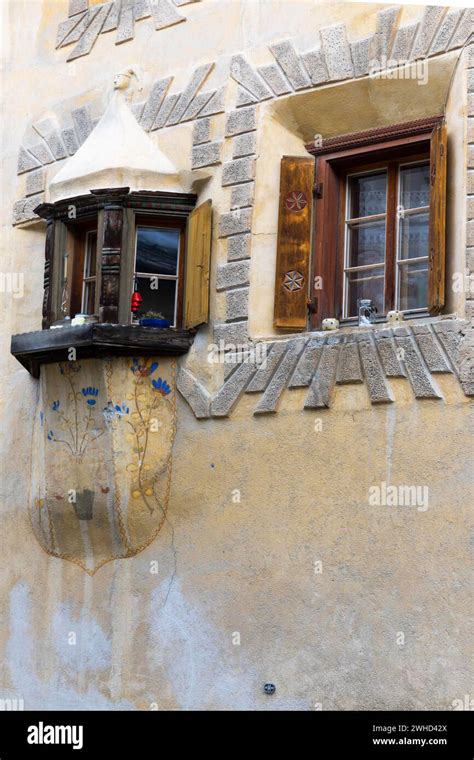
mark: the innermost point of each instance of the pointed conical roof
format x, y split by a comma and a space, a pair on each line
117, 153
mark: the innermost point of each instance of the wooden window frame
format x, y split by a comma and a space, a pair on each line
335, 159
75, 245
115, 213
156, 221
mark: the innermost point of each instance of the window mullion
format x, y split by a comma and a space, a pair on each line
391, 236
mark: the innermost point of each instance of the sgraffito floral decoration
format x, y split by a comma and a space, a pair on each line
105, 436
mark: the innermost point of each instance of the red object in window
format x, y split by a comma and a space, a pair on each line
136, 302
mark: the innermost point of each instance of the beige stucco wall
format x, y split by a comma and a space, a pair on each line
255, 501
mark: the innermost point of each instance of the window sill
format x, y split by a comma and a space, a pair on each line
97, 340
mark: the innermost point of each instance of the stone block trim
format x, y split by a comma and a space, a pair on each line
196, 105
26, 161
35, 182
82, 123
292, 65
23, 209
84, 23
207, 154
197, 79
322, 362
93, 23
238, 246
445, 31
233, 333
165, 14
244, 145
155, 99
247, 76
315, 66
202, 131
269, 401
237, 304
337, 52
239, 170
430, 22
70, 140
195, 394
216, 103
382, 41
403, 42
242, 195
463, 29
235, 222
77, 6
242, 120
229, 394
232, 275
275, 79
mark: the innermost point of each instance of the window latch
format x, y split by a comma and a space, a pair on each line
318, 190
312, 304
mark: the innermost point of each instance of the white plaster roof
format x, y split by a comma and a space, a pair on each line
117, 146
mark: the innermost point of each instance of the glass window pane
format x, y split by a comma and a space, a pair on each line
413, 285
91, 253
366, 244
367, 194
368, 283
157, 250
161, 300
88, 301
415, 186
414, 236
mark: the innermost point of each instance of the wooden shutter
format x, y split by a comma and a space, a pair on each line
437, 237
198, 258
294, 242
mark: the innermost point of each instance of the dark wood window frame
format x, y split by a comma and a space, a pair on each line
72, 264
335, 159
114, 213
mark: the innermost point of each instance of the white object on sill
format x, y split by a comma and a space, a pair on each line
331, 323
79, 319
55, 327
395, 316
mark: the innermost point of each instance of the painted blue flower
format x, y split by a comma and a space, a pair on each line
50, 436
55, 406
143, 370
122, 409
161, 386
92, 392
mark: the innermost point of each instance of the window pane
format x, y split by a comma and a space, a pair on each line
91, 253
157, 250
366, 284
414, 236
161, 300
366, 244
415, 186
367, 195
88, 298
413, 287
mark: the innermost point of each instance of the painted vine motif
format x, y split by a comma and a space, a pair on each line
106, 435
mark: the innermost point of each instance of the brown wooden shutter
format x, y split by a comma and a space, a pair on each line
437, 237
198, 258
294, 242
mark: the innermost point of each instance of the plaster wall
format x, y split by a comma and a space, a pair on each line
237, 599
